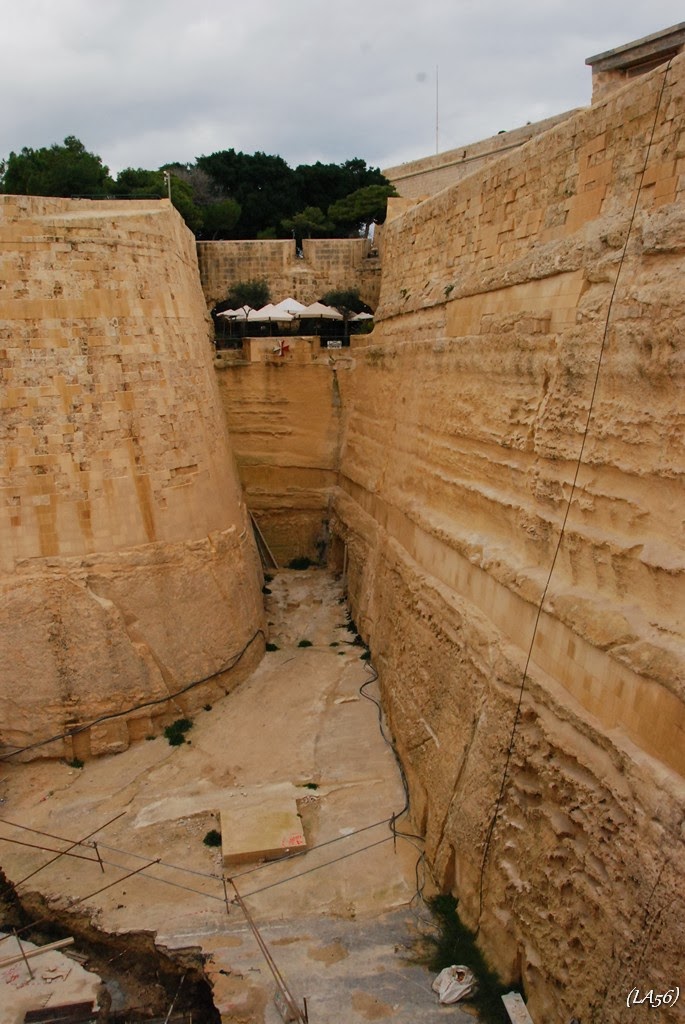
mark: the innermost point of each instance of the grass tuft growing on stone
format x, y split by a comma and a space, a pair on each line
213, 838
175, 733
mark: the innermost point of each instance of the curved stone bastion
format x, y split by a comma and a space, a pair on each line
129, 580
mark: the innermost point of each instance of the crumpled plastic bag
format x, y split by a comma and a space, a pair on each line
453, 983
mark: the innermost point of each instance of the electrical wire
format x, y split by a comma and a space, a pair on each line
145, 872
579, 462
409, 836
256, 867
136, 707
76, 902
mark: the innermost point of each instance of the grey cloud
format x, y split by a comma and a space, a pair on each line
143, 83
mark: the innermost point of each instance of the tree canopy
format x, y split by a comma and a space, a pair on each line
254, 293
227, 194
65, 170
362, 208
262, 185
310, 221
346, 301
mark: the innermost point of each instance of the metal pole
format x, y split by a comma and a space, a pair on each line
281, 983
102, 866
48, 849
78, 842
437, 118
23, 954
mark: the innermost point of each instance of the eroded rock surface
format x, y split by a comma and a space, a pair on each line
504, 299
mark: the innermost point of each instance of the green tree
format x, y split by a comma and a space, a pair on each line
359, 175
362, 208
138, 183
57, 170
310, 221
261, 184
323, 184
347, 302
220, 218
319, 185
253, 293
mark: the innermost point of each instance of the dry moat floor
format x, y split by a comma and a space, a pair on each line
338, 919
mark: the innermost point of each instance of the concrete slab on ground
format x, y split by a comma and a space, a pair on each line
264, 831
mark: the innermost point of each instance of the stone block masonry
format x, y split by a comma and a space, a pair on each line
326, 264
443, 448
429, 175
127, 566
464, 419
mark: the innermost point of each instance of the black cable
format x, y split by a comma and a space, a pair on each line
512, 737
421, 860
405, 784
137, 707
318, 867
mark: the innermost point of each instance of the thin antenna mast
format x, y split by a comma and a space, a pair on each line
437, 109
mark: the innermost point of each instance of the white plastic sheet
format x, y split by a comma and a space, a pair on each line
453, 983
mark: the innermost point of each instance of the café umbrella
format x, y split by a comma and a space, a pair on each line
269, 314
317, 311
290, 305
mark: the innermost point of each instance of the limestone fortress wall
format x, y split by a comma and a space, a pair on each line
560, 826
442, 449
283, 416
127, 565
418, 179
325, 264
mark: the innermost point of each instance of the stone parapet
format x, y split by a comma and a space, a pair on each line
421, 178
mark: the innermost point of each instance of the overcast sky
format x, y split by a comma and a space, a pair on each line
146, 82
